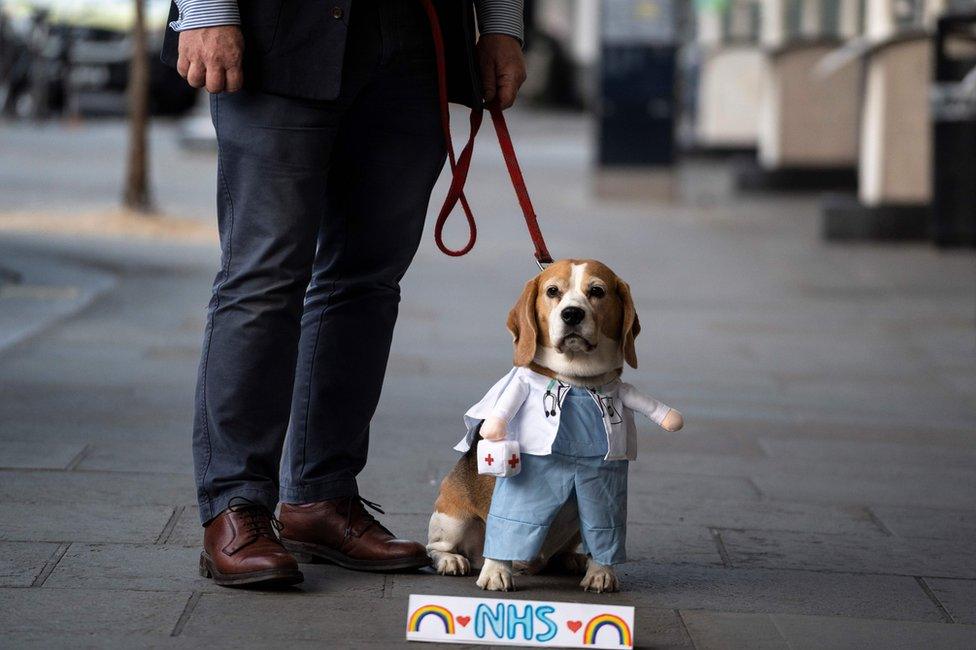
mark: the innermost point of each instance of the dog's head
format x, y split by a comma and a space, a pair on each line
576, 318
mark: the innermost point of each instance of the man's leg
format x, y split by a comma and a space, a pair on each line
273, 162
387, 159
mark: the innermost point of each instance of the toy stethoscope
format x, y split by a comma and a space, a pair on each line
551, 401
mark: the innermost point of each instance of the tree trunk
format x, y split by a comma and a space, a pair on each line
136, 194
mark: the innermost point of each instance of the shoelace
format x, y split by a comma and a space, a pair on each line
364, 514
257, 519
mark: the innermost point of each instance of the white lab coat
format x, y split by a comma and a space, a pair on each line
531, 404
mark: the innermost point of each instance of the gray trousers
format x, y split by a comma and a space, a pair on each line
321, 207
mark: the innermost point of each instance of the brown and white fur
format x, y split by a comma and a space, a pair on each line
589, 353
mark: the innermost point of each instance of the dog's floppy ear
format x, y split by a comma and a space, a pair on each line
630, 327
522, 324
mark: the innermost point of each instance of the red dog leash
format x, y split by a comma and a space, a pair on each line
462, 162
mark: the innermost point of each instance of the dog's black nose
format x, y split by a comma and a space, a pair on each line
572, 315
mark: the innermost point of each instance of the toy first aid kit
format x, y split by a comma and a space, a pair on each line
499, 458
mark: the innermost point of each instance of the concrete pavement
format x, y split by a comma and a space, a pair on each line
821, 494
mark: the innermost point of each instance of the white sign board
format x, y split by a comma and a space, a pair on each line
501, 621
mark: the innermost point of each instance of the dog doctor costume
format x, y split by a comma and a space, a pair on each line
574, 441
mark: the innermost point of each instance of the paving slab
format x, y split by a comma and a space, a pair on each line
334, 619
42, 290
947, 489
716, 589
22, 562
35, 454
690, 509
723, 630
785, 467
81, 522
888, 453
168, 456
106, 640
928, 523
120, 488
89, 611
719, 630
186, 529
957, 596
672, 545
729, 440
815, 632
668, 485
781, 591
860, 554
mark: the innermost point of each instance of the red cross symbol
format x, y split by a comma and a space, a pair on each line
513, 461
489, 459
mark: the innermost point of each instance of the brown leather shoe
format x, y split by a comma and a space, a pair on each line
240, 548
341, 531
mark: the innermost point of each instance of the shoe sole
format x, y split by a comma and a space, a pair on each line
269, 577
311, 553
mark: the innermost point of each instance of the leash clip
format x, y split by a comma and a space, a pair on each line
542, 258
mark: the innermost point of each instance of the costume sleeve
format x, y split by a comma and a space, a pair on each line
511, 399
195, 14
636, 401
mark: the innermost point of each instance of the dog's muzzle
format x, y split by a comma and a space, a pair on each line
575, 342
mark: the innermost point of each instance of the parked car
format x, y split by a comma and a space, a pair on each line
72, 57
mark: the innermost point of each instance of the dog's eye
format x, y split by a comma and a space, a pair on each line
597, 292
552, 292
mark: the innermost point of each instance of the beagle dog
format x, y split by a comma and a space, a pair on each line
573, 325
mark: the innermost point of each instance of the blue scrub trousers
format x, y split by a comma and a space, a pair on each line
523, 506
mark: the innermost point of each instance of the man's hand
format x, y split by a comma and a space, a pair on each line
502, 67
211, 57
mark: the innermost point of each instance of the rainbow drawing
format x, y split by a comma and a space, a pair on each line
598, 622
413, 623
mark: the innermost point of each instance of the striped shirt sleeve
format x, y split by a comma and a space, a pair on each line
494, 16
501, 17
195, 14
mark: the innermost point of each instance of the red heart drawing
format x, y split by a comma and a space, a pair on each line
574, 625
463, 620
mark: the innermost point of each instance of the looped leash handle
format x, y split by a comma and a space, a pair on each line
461, 164
542, 256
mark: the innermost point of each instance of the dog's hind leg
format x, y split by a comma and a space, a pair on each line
568, 561
559, 552
455, 543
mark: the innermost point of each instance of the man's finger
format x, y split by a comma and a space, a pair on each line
488, 81
183, 66
235, 79
507, 89
215, 79
196, 76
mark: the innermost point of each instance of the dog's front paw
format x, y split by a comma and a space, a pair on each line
496, 576
599, 578
451, 564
